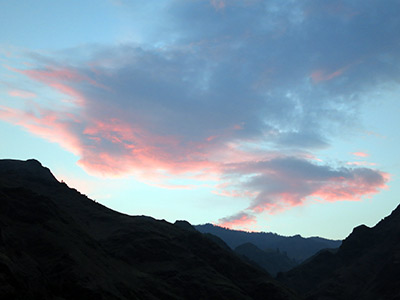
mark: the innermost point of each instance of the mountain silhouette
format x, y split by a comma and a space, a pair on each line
56, 243
296, 247
272, 261
366, 266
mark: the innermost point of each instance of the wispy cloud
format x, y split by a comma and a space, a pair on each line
360, 154
320, 75
61, 128
360, 163
22, 94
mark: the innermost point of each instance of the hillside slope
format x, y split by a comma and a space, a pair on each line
271, 261
55, 243
366, 266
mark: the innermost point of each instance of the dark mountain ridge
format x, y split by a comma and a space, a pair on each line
56, 243
296, 247
366, 266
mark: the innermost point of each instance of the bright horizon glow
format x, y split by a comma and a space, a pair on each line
253, 115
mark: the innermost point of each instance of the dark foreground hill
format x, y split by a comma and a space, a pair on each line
366, 266
296, 247
55, 243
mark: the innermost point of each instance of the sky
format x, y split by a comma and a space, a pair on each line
275, 116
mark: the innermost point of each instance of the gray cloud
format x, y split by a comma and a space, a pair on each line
283, 182
288, 77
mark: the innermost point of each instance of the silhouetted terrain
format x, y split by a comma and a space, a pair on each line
272, 261
366, 266
296, 247
55, 243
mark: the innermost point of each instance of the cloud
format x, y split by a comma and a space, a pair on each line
320, 75
218, 4
243, 96
361, 163
288, 181
50, 125
360, 154
61, 79
284, 182
22, 94
241, 220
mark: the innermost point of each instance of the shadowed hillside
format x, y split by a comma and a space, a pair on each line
55, 243
273, 261
366, 266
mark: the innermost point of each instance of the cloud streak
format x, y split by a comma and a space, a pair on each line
21, 94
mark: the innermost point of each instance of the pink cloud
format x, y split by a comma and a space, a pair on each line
126, 149
47, 124
360, 154
335, 189
61, 79
218, 4
210, 138
238, 127
138, 150
22, 94
108, 147
226, 192
278, 203
322, 75
360, 163
51, 75
353, 189
284, 182
241, 220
